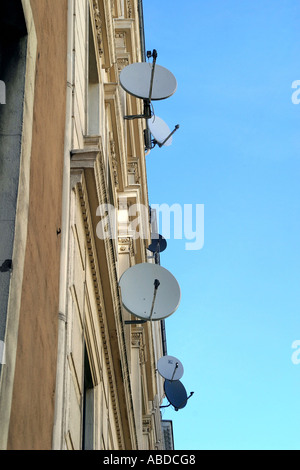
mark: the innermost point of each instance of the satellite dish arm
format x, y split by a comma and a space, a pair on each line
156, 286
176, 367
192, 393
178, 408
154, 55
166, 406
169, 136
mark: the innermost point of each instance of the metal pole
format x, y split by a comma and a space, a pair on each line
176, 367
152, 73
156, 286
163, 143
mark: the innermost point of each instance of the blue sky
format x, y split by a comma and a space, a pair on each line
237, 152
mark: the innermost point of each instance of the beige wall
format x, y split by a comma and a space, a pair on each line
107, 167
82, 154
31, 417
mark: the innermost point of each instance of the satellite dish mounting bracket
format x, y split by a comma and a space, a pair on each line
177, 408
135, 322
147, 112
147, 102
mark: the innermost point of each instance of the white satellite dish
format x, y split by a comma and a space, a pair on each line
170, 368
160, 131
144, 81
149, 292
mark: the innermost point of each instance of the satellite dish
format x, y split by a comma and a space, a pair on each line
170, 368
160, 131
176, 394
158, 243
147, 82
150, 292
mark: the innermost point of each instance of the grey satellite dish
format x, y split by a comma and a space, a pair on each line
158, 243
160, 131
170, 368
147, 82
176, 394
150, 292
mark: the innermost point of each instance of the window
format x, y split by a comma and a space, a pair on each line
88, 407
93, 105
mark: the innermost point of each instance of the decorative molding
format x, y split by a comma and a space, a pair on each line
98, 26
129, 9
117, 131
114, 160
108, 13
133, 171
92, 159
147, 424
126, 245
116, 298
138, 341
122, 62
81, 191
120, 41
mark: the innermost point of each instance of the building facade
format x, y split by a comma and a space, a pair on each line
75, 373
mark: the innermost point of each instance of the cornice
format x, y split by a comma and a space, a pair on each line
117, 140
81, 192
111, 258
129, 8
91, 160
102, 13
108, 9
98, 26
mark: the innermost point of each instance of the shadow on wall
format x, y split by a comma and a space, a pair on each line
13, 48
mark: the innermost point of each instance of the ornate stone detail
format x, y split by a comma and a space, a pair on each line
92, 157
98, 26
147, 425
114, 161
117, 307
137, 341
83, 198
122, 63
126, 246
120, 37
129, 9
133, 173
